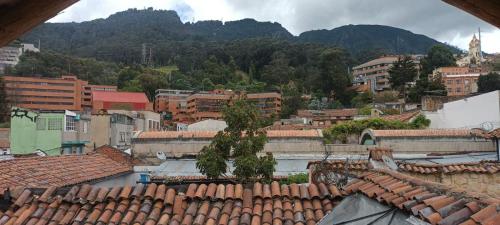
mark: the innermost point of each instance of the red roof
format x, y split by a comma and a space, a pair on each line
110, 96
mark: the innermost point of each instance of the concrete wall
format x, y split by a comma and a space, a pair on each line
435, 146
147, 149
100, 130
470, 112
117, 129
479, 182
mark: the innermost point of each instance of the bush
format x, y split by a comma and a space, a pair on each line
341, 132
298, 178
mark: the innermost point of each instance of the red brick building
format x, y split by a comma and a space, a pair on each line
43, 93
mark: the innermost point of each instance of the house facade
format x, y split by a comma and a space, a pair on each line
51, 132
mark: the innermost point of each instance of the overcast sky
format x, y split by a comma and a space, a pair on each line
433, 18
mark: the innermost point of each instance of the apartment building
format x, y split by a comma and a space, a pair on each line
43, 93
459, 81
203, 106
172, 104
461, 84
9, 55
269, 104
375, 73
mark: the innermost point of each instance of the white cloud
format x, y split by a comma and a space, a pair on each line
432, 18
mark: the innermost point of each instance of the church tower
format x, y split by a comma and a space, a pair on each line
475, 51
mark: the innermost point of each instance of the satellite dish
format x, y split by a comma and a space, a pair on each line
161, 155
487, 126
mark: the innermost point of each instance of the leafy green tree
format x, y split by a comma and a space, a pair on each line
362, 99
334, 76
241, 141
403, 71
488, 82
437, 56
291, 100
426, 86
4, 103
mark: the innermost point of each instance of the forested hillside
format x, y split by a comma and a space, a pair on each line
143, 50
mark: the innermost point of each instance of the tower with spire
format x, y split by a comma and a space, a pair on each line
475, 56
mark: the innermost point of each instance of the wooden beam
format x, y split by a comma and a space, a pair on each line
487, 10
19, 16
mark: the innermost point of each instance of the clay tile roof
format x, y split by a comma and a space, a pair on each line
377, 153
59, 171
159, 204
211, 134
403, 117
487, 167
431, 202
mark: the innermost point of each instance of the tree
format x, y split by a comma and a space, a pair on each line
488, 82
403, 71
334, 76
437, 56
426, 86
292, 100
241, 141
4, 103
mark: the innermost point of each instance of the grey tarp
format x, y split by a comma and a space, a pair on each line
358, 209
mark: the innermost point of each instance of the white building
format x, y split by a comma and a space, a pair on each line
9, 55
481, 111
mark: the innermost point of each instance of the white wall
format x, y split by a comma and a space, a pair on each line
468, 113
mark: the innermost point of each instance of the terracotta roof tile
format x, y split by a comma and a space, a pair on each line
59, 171
158, 204
211, 134
423, 133
430, 202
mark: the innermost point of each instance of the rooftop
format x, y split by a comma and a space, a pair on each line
60, 171
130, 97
211, 134
431, 202
192, 204
385, 60
422, 133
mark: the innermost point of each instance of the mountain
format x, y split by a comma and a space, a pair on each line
124, 33
358, 38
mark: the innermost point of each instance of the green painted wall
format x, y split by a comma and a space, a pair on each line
25, 138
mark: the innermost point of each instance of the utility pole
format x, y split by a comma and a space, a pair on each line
150, 61
143, 61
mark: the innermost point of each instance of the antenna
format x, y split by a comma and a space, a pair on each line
480, 50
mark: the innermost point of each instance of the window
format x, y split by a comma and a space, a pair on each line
122, 136
459, 90
70, 123
54, 124
150, 124
85, 127
457, 81
41, 124
448, 81
450, 90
